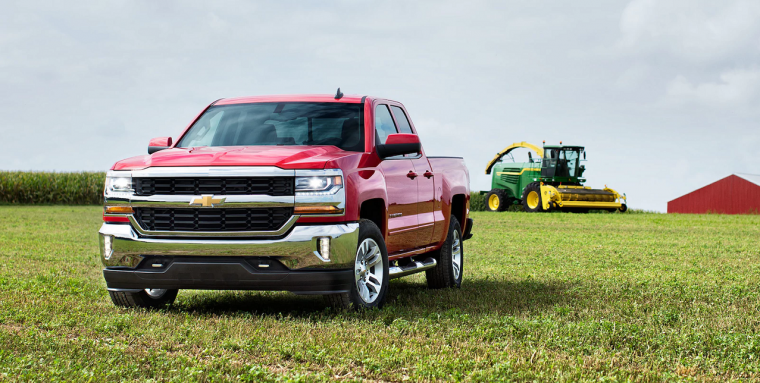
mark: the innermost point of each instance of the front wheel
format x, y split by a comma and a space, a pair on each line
369, 286
448, 272
531, 198
148, 298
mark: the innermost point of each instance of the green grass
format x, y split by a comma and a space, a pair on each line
548, 297
80, 188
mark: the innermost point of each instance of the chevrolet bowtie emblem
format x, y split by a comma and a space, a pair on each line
207, 201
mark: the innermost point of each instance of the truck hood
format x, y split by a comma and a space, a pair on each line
285, 157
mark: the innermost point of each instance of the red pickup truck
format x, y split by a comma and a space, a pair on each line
313, 194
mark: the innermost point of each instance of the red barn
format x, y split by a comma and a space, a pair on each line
735, 194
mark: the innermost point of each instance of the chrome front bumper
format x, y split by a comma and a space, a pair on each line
122, 247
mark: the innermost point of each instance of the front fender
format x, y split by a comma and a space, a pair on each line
367, 184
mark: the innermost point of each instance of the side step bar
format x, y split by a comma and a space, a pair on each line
411, 268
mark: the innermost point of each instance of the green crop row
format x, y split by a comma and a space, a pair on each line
477, 202
86, 188
81, 188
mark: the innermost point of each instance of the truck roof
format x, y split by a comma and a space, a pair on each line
348, 99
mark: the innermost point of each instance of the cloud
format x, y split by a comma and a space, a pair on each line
693, 30
738, 87
632, 77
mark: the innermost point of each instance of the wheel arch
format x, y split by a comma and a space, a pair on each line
459, 204
374, 209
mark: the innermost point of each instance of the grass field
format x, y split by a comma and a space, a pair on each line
560, 297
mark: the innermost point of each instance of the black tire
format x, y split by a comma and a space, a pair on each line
444, 275
353, 298
532, 187
142, 299
501, 197
623, 208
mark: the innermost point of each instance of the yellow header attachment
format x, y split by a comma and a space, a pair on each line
552, 197
509, 148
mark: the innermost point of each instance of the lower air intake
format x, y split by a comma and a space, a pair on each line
214, 220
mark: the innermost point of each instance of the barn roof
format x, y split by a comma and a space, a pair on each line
754, 178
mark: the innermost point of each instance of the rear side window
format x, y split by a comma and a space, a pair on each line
403, 122
384, 125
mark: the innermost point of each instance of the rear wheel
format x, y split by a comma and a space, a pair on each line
531, 198
148, 298
496, 200
369, 286
450, 257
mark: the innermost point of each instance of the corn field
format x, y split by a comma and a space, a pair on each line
81, 188
477, 202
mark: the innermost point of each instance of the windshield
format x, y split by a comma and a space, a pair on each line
283, 123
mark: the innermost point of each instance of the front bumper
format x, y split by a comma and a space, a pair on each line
221, 273
291, 263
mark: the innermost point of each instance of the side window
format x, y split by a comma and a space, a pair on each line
403, 122
384, 125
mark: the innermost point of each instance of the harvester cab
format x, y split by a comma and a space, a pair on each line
562, 164
552, 182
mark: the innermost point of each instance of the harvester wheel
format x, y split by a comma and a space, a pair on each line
496, 200
531, 198
623, 208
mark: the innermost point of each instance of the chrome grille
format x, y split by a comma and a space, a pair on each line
274, 186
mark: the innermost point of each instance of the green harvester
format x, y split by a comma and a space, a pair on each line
553, 181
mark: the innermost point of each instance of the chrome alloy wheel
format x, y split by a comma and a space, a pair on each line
456, 255
368, 270
155, 293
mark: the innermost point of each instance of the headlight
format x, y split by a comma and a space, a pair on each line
320, 192
318, 185
118, 186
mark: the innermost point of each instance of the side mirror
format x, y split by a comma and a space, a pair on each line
530, 157
159, 143
398, 144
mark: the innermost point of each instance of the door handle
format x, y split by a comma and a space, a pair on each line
411, 174
428, 174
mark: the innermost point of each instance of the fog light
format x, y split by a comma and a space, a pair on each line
107, 246
324, 247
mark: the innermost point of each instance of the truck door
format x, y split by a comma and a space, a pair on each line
401, 188
425, 184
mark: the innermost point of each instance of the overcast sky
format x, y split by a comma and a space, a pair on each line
663, 94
